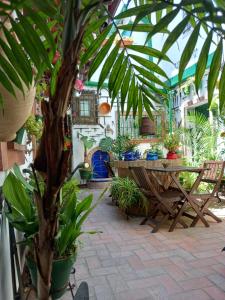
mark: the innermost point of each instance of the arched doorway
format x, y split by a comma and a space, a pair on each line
98, 165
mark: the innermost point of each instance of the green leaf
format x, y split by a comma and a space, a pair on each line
151, 66
114, 72
34, 39
139, 28
188, 50
120, 77
150, 76
202, 61
130, 96
164, 22
159, 15
19, 55
214, 70
152, 87
84, 205
41, 24
175, 34
17, 196
132, 11
125, 88
6, 83
135, 100
10, 56
222, 90
10, 72
19, 176
26, 42
147, 105
95, 26
140, 105
95, 45
150, 9
149, 51
100, 56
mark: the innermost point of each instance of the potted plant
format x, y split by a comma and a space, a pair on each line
86, 172
22, 214
128, 196
122, 147
171, 143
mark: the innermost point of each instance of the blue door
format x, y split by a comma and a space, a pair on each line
98, 166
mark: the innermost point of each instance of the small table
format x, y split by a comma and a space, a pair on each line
172, 172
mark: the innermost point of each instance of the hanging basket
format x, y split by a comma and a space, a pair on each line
104, 108
147, 126
15, 111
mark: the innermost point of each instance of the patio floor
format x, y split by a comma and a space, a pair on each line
126, 261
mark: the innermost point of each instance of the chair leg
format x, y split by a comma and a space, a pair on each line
177, 218
156, 228
143, 222
208, 212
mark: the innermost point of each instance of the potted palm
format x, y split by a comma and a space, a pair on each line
171, 143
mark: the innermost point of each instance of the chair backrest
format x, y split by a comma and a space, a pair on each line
214, 174
143, 181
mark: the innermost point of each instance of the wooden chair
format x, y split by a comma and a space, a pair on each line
212, 174
166, 204
109, 169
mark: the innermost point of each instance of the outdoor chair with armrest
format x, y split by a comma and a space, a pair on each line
166, 204
212, 174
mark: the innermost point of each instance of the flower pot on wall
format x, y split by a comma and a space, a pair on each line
147, 126
85, 174
15, 111
61, 270
152, 156
104, 108
171, 155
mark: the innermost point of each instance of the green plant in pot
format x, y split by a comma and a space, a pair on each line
86, 171
73, 212
106, 144
127, 195
171, 143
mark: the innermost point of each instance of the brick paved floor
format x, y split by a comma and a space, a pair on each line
127, 262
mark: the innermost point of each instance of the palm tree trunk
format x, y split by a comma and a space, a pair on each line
52, 162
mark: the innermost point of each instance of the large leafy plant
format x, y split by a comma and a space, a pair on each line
127, 194
77, 29
22, 212
201, 138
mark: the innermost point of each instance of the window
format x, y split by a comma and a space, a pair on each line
84, 108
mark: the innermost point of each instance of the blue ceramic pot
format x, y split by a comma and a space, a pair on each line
129, 155
152, 156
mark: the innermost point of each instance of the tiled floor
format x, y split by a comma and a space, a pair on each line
127, 262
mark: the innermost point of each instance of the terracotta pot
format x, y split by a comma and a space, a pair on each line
104, 108
15, 111
171, 155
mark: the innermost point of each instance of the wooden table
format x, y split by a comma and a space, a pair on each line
123, 167
173, 174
